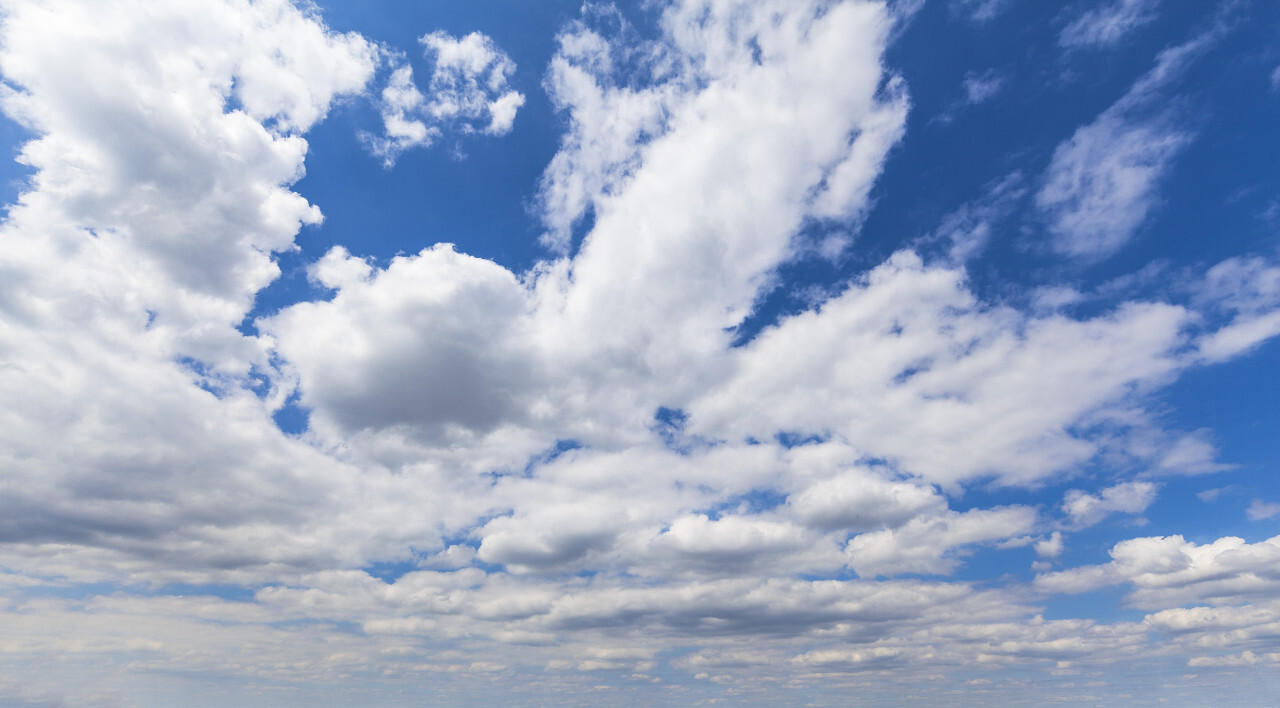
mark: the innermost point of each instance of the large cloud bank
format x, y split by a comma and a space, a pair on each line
585, 469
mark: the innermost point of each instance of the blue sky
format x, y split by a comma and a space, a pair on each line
802, 352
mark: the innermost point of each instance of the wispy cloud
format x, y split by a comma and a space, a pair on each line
1108, 23
1103, 182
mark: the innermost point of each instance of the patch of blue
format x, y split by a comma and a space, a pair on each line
77, 591
789, 440
755, 501
669, 425
390, 572
1103, 606
15, 177
292, 418
559, 448
234, 593
204, 378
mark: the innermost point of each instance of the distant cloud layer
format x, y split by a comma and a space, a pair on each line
602, 465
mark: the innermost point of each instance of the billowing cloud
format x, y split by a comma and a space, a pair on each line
624, 465
1170, 571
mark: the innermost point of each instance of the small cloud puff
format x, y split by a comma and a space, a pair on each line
467, 92
1129, 498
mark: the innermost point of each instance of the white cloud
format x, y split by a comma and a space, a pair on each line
1108, 23
622, 95
1245, 658
926, 543
861, 500
436, 343
1249, 289
469, 82
1171, 571
979, 10
1102, 183
161, 189
467, 92
941, 368
982, 87
1086, 509
554, 337
1259, 510
1050, 547
178, 210
970, 227
1211, 495
444, 389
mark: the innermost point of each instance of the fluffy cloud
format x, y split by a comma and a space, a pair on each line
1259, 509
1086, 509
941, 367
160, 192
925, 543
684, 273
162, 188
1170, 571
467, 92
575, 468
622, 95
436, 342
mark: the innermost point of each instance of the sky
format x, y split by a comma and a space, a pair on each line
683, 352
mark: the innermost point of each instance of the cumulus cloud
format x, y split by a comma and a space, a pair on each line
467, 92
685, 272
1259, 510
621, 94
1086, 509
1170, 571
518, 475
942, 368
1050, 547
161, 189
925, 544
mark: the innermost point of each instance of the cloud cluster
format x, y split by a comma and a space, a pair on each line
1170, 571
594, 465
468, 92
